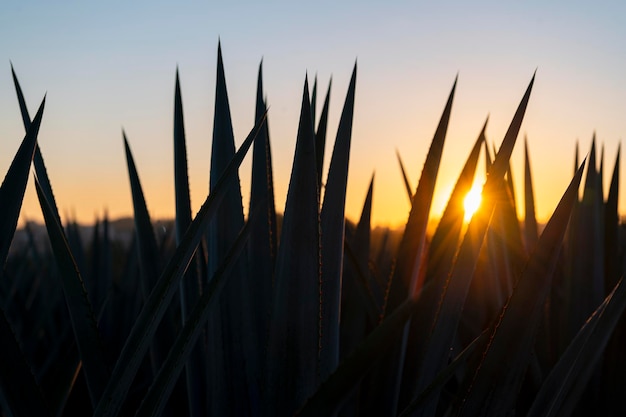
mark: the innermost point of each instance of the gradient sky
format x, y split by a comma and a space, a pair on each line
108, 65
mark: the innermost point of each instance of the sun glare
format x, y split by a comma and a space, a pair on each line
472, 202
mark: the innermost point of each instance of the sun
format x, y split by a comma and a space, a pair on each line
472, 200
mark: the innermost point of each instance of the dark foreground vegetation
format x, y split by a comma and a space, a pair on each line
225, 315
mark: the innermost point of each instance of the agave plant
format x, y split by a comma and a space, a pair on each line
305, 313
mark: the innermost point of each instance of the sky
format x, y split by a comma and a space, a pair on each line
108, 66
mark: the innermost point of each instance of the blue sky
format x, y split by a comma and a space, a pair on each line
108, 65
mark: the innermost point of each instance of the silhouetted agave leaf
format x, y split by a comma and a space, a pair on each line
155, 306
409, 262
332, 219
438, 344
222, 233
405, 177
40, 167
562, 388
81, 312
531, 232
293, 349
18, 387
412, 244
14, 185
190, 287
148, 251
441, 252
494, 388
181, 179
229, 330
161, 388
262, 244
444, 375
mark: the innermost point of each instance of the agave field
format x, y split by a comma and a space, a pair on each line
304, 313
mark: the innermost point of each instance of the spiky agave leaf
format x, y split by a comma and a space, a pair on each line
563, 387
293, 349
190, 286
229, 329
155, 306
405, 177
262, 244
412, 244
438, 343
148, 252
333, 227
443, 247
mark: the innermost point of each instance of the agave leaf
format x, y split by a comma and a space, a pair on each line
181, 179
81, 312
293, 349
161, 388
149, 259
229, 330
262, 244
409, 260
531, 232
563, 387
222, 233
40, 166
14, 185
494, 387
333, 227
438, 344
405, 177
412, 244
18, 388
190, 286
320, 137
155, 306
441, 252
